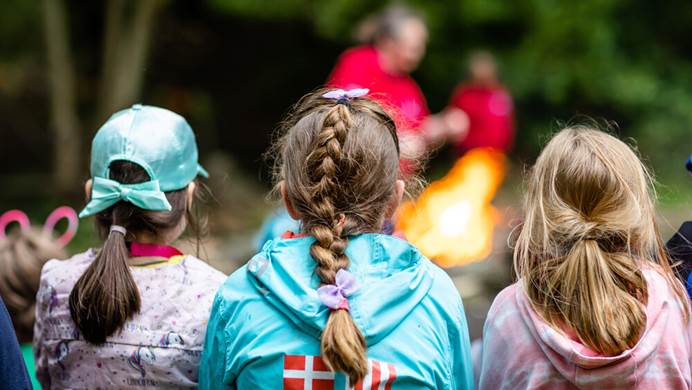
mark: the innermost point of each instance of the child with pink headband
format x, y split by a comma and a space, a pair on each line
23, 252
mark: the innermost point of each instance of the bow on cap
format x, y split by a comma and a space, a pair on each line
106, 192
334, 295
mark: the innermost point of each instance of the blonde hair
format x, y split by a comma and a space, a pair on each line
589, 228
339, 162
22, 255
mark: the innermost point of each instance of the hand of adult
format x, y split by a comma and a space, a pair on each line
457, 123
434, 131
452, 124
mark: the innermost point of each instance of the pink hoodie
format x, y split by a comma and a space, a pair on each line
521, 351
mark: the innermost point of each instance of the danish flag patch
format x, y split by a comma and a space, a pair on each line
310, 373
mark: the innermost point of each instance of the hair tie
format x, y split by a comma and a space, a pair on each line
343, 97
119, 229
334, 295
591, 235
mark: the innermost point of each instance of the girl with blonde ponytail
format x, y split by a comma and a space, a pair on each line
338, 305
596, 304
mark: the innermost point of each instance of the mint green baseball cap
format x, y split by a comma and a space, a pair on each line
158, 140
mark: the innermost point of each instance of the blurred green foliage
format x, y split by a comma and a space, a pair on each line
18, 28
624, 61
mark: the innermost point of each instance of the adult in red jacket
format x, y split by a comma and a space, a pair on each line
398, 39
488, 106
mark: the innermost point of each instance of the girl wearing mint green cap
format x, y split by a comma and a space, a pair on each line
339, 305
132, 313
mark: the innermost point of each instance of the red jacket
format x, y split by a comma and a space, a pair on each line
491, 116
360, 67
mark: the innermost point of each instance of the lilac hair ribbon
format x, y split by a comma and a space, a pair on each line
343, 96
334, 296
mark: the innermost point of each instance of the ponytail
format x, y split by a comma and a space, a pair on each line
106, 295
596, 294
589, 234
343, 346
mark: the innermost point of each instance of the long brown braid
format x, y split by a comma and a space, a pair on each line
339, 163
323, 167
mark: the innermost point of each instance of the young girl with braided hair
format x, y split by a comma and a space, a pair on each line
596, 305
338, 305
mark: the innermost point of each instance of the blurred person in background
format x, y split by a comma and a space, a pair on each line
396, 40
680, 247
488, 105
23, 252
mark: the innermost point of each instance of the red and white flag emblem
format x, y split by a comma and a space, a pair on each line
380, 376
310, 373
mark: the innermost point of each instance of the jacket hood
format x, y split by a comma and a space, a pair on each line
393, 278
570, 357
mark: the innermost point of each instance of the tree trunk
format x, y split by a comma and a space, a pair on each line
125, 49
67, 140
126, 46
112, 37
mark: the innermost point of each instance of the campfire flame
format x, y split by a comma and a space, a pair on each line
452, 221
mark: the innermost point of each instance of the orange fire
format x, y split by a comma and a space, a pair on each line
452, 221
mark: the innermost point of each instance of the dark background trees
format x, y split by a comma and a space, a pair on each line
233, 67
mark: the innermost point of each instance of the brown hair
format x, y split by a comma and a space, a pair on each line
589, 228
22, 256
339, 163
106, 296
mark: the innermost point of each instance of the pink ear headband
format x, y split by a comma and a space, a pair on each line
72, 224
48, 227
13, 216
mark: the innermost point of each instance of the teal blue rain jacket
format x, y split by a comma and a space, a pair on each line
266, 321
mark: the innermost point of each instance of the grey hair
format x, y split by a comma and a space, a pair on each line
387, 23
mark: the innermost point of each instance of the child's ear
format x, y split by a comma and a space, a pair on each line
399, 187
87, 189
287, 202
191, 194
